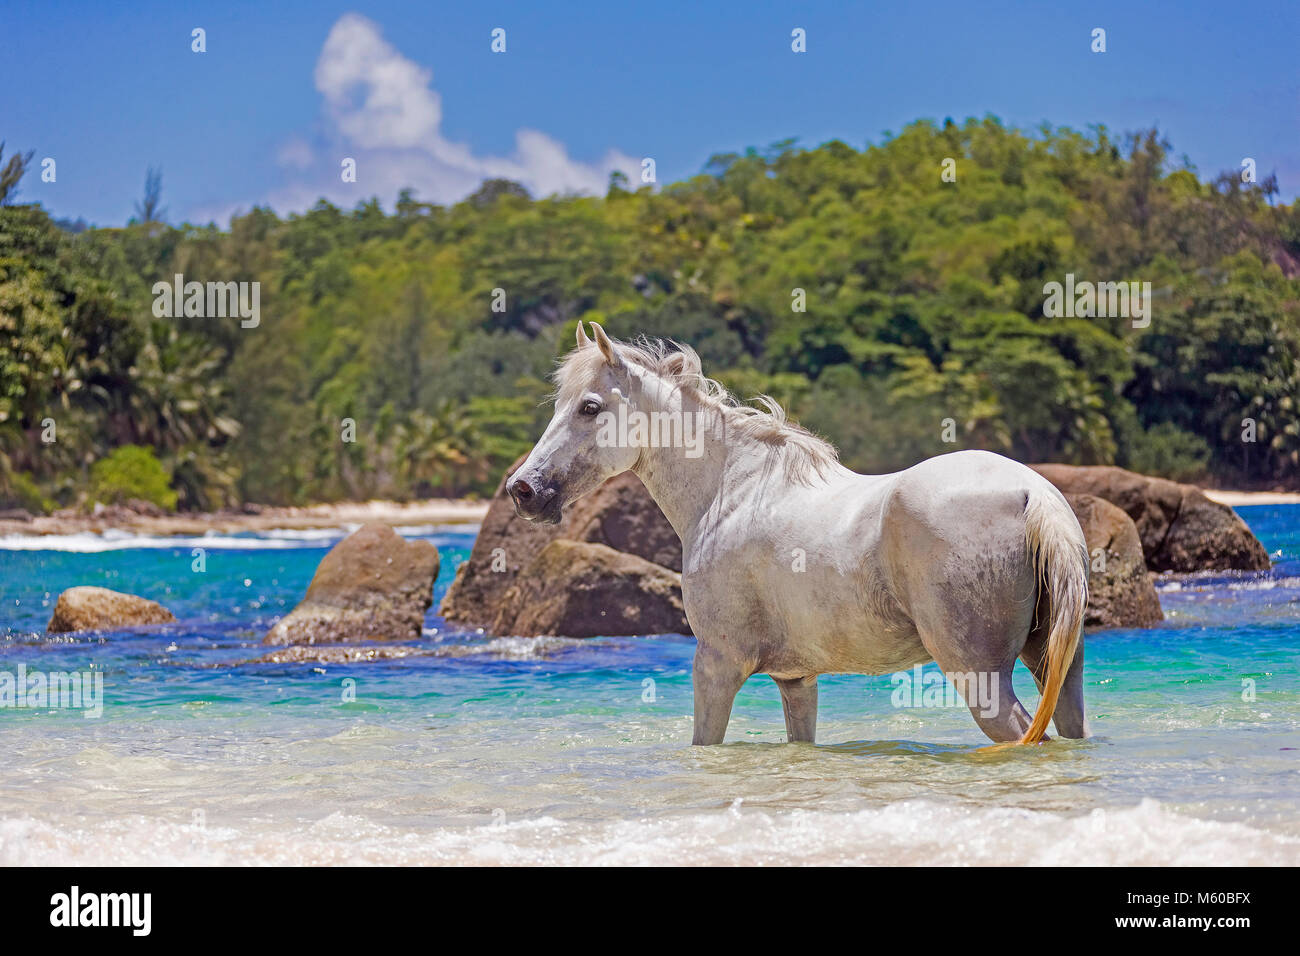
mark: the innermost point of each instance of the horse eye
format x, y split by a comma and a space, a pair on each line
590, 408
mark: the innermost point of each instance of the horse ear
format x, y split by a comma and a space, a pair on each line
675, 364
606, 346
583, 341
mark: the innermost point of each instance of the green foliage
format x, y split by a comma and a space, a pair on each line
131, 471
923, 305
19, 490
1168, 451
12, 172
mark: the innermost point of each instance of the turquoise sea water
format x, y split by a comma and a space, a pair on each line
484, 750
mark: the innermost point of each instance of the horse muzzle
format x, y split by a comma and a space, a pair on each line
533, 501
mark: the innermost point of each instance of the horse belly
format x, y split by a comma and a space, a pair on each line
843, 634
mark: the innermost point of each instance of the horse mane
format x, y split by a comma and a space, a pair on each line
803, 456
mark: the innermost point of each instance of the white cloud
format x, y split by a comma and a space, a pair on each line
381, 110
378, 98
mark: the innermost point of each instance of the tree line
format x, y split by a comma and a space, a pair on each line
892, 297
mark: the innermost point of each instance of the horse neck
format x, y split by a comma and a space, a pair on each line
689, 489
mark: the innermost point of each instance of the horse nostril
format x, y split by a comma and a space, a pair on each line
522, 490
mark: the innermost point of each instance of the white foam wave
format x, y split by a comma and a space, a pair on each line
1267, 584
307, 534
1190, 585
909, 833
430, 530
515, 648
88, 542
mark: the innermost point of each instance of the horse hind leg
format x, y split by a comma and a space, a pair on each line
993, 703
1069, 716
985, 685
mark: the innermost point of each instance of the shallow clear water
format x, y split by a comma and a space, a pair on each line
510, 750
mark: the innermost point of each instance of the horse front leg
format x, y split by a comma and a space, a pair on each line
799, 701
717, 679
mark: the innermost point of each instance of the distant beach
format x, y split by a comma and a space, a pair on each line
1234, 498
434, 511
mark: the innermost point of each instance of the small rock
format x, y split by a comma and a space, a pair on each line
98, 609
372, 586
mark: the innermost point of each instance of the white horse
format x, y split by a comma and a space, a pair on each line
794, 566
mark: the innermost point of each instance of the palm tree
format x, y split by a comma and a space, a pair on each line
150, 208
438, 452
177, 397
11, 173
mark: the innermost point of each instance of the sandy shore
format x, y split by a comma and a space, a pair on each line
1234, 498
395, 513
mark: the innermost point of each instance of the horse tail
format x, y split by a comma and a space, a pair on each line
1060, 559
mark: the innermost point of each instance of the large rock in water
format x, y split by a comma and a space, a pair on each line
1120, 592
620, 515
580, 589
372, 586
98, 609
1180, 528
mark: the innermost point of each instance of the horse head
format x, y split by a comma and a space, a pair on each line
575, 456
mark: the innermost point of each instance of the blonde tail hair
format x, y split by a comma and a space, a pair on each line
1060, 559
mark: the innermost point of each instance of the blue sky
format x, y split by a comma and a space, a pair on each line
413, 92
